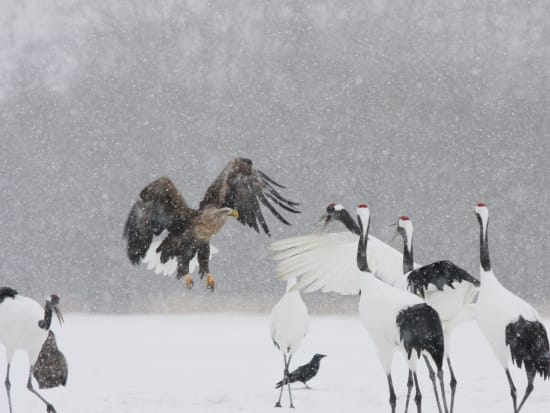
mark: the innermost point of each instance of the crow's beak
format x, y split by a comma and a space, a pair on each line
59, 315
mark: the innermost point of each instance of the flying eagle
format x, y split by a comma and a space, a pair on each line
184, 232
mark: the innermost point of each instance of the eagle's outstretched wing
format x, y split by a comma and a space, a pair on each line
242, 187
159, 207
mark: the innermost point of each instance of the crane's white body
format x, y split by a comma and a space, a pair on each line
511, 326
19, 328
289, 321
289, 324
453, 304
496, 308
24, 325
379, 306
386, 311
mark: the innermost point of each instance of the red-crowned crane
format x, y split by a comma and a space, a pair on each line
289, 325
24, 325
511, 326
445, 286
397, 318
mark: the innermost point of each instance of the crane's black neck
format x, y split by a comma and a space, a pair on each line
47, 322
484, 245
362, 247
349, 222
408, 260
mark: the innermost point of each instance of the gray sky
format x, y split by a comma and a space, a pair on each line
420, 108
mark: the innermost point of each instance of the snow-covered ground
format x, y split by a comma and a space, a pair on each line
225, 362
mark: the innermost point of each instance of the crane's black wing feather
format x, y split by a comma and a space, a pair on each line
439, 274
6, 292
529, 346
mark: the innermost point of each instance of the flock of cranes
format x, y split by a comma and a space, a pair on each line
404, 306
415, 309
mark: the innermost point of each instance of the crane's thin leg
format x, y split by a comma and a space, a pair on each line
8, 386
409, 388
278, 403
392, 394
453, 384
307, 387
418, 395
431, 373
443, 397
529, 389
49, 406
513, 391
287, 375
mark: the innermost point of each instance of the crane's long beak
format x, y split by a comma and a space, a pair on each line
396, 232
59, 315
325, 220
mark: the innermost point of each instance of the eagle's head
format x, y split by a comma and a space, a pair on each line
212, 220
230, 212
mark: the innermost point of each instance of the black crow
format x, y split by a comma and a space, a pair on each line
304, 373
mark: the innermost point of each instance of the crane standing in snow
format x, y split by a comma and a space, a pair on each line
24, 325
446, 287
316, 258
392, 316
511, 326
289, 324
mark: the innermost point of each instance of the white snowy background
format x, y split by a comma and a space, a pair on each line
212, 362
419, 107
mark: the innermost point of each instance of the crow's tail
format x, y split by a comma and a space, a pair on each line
290, 379
281, 383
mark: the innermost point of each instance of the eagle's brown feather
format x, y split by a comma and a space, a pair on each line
161, 207
242, 187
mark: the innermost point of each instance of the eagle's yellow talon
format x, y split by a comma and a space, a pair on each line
210, 282
188, 281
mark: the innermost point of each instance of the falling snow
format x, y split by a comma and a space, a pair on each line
415, 108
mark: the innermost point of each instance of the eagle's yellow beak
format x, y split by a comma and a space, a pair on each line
233, 213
